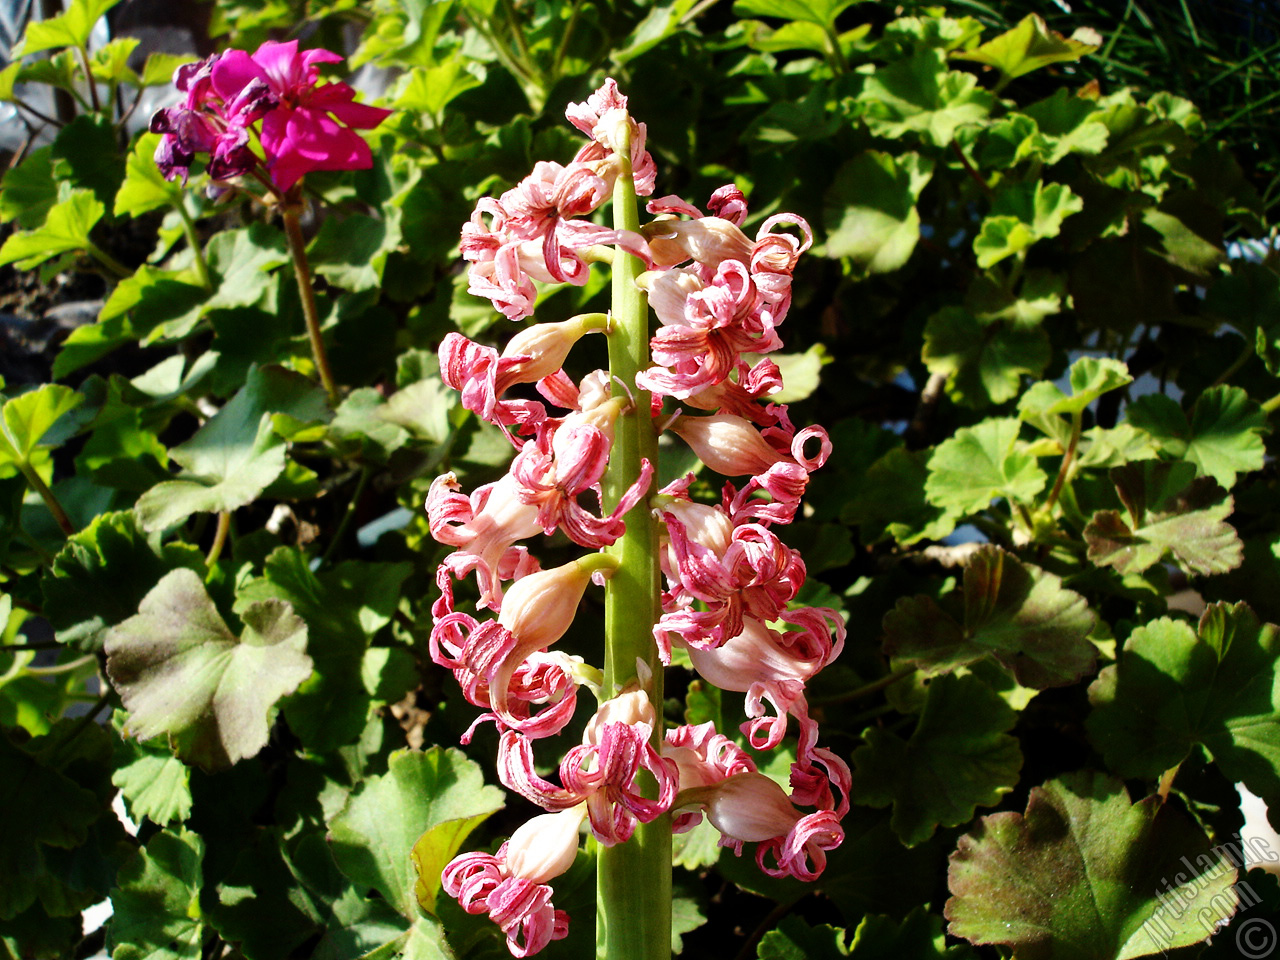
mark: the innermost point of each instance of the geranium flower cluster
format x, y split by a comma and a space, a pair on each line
732, 584
305, 125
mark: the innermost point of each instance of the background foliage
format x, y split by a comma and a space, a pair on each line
1047, 372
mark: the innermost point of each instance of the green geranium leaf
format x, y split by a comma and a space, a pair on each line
71, 29
144, 188
156, 784
27, 419
821, 12
102, 574
352, 252
1090, 378
891, 501
979, 464
86, 154
1031, 45
236, 455
1223, 437
1170, 511
65, 230
343, 607
1085, 874
29, 190
180, 671
430, 89
1021, 214
984, 363
921, 96
160, 67
959, 757
917, 937
870, 209
1175, 687
1020, 615
156, 908
1066, 126
373, 838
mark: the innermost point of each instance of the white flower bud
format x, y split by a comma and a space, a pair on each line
539, 607
727, 444
750, 807
543, 848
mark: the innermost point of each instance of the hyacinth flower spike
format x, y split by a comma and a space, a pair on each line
731, 587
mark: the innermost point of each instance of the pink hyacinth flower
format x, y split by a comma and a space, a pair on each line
511, 886
313, 126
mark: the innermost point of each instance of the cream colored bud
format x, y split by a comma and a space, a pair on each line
727, 444
708, 240
547, 344
631, 707
539, 607
750, 807
545, 847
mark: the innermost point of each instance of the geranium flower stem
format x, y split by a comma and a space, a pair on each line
633, 891
302, 270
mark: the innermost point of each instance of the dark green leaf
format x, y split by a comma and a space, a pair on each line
29, 190
102, 574
984, 364
1175, 687
1223, 437
157, 912
1023, 617
921, 96
1086, 875
959, 758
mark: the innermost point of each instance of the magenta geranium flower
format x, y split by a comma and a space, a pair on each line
306, 125
313, 125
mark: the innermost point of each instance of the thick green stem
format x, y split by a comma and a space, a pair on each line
302, 270
633, 890
50, 501
193, 241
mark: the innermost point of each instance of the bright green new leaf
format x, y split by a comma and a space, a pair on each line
1021, 214
1087, 875
1020, 615
1170, 512
1032, 45
160, 67
1223, 437
1044, 405
102, 574
181, 672
29, 190
1175, 687
110, 62
981, 463
821, 12
960, 757
27, 419
1066, 126
144, 188
65, 230
156, 784
71, 29
984, 363
156, 908
373, 838
870, 209
921, 96
430, 89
